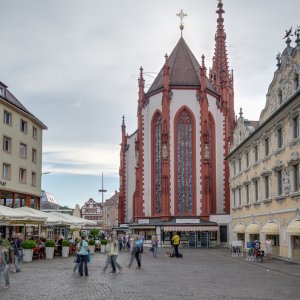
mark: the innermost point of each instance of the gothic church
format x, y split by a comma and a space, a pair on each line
173, 173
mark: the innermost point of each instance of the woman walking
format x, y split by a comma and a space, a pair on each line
4, 263
154, 245
112, 257
83, 254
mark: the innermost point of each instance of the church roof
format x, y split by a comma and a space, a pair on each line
184, 69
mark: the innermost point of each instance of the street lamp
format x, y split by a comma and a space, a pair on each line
102, 190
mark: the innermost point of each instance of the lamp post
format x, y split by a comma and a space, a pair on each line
102, 190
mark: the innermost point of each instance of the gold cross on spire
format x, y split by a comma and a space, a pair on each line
181, 15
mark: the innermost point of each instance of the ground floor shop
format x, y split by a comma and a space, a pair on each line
278, 234
15, 199
194, 232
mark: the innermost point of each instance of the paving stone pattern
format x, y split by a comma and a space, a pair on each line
200, 274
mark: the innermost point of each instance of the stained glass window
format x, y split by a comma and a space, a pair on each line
184, 163
158, 163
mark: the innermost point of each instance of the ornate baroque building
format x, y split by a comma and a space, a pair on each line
92, 210
264, 164
172, 168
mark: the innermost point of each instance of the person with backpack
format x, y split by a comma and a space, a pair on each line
136, 251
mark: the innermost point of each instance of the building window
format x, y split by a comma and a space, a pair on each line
279, 182
7, 118
266, 146
234, 169
296, 81
256, 190
267, 188
234, 198
184, 154
157, 158
296, 178
23, 150
6, 171
247, 159
279, 138
22, 175
240, 165
34, 156
34, 132
279, 97
240, 196
247, 194
23, 126
7, 144
296, 133
33, 179
256, 153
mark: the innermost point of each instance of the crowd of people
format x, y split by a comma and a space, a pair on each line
11, 252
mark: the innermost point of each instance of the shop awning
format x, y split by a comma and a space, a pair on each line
142, 227
270, 228
252, 228
191, 228
239, 228
294, 228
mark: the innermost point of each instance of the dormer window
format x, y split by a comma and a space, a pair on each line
1, 91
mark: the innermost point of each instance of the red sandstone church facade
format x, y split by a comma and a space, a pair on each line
173, 175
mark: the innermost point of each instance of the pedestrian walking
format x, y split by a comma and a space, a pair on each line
136, 252
83, 253
18, 251
112, 257
77, 257
4, 263
154, 245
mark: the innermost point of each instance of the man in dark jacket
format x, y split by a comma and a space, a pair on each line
18, 251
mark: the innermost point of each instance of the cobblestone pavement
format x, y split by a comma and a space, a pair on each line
200, 274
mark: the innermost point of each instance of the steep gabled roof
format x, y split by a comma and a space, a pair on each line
11, 99
184, 69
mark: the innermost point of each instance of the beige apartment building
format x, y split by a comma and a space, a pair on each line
264, 165
110, 212
20, 153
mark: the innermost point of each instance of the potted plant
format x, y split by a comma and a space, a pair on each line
103, 246
50, 245
92, 246
65, 248
28, 247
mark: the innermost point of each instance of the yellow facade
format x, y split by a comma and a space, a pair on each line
264, 166
21, 149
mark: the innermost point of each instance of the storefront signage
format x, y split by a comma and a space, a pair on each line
187, 221
123, 225
3, 183
143, 221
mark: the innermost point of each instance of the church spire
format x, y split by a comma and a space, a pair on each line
219, 74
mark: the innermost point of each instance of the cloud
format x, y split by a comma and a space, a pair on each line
90, 159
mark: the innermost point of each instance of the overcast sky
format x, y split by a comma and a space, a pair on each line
74, 64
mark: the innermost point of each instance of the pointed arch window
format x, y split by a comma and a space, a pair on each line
184, 163
157, 159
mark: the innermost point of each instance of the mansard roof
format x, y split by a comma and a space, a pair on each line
184, 70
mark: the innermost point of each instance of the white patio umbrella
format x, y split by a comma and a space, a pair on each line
13, 216
68, 218
50, 219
